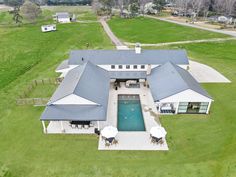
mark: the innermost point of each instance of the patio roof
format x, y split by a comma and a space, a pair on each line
74, 112
169, 79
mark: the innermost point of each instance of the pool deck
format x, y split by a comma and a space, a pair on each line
132, 140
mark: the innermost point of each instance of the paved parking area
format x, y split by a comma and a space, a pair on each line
206, 74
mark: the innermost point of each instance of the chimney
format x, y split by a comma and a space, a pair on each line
137, 48
149, 69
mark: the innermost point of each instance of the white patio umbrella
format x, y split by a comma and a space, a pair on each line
158, 132
109, 132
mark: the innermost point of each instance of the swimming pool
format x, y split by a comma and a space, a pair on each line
130, 117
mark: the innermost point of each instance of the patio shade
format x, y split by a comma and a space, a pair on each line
109, 132
158, 132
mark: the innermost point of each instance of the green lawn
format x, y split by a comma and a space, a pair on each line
146, 30
200, 146
42, 91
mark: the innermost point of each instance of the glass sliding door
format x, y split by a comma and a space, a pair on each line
193, 107
183, 106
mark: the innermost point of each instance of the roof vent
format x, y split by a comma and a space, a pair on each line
138, 48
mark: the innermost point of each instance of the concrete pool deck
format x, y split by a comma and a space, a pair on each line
132, 140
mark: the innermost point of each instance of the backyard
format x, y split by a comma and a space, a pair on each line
200, 146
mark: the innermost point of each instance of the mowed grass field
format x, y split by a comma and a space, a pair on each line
200, 145
146, 30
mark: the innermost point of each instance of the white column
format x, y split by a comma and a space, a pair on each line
177, 108
44, 127
62, 127
209, 106
98, 125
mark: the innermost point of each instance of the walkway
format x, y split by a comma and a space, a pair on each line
119, 45
182, 42
231, 33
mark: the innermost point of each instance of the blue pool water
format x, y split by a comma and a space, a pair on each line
130, 117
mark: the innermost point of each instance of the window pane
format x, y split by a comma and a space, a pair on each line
142, 66
135, 66
127, 66
113, 67
120, 66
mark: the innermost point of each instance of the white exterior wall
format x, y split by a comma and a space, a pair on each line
74, 100
48, 28
108, 67
186, 96
63, 20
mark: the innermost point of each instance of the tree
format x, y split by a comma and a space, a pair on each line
134, 7
159, 5
16, 15
30, 10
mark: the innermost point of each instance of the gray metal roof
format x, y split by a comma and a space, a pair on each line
74, 112
62, 15
108, 57
169, 79
63, 65
85, 81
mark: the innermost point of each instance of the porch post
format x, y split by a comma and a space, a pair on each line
177, 108
62, 127
98, 125
44, 127
209, 106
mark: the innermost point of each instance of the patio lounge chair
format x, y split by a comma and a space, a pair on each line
86, 126
107, 144
79, 126
73, 126
115, 141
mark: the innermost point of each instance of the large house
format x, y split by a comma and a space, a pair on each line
91, 75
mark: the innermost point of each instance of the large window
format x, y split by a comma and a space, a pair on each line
183, 106
135, 66
113, 66
127, 66
120, 66
142, 66
193, 107
203, 107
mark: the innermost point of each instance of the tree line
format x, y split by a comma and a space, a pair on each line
199, 7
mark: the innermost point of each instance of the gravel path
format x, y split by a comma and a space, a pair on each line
183, 42
119, 45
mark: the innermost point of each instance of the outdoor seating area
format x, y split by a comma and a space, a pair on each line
81, 124
108, 134
72, 127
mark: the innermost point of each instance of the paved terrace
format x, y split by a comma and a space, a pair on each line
139, 140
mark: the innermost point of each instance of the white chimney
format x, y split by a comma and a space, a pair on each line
149, 69
138, 48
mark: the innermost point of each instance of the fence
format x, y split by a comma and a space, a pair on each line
32, 101
23, 98
34, 83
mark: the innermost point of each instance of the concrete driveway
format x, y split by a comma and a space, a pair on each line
206, 74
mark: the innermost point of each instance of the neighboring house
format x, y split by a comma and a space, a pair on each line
62, 17
90, 75
48, 28
224, 19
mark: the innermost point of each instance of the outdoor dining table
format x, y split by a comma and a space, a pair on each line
80, 122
